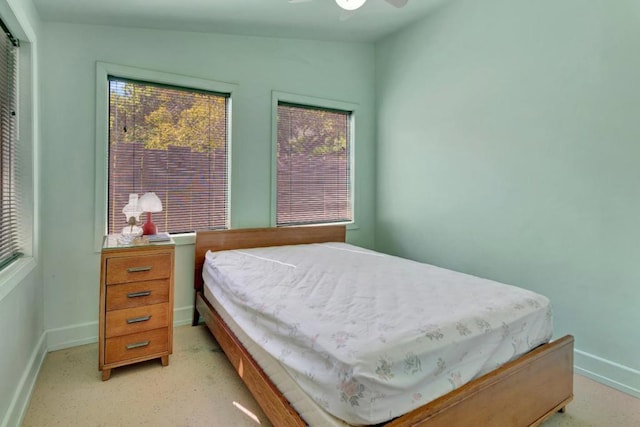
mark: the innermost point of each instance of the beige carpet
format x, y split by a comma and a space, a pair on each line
199, 388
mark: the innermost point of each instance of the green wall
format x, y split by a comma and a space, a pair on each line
338, 71
508, 148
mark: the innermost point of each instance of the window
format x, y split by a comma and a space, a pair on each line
314, 165
9, 208
172, 141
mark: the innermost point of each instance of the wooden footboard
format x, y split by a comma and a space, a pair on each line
524, 392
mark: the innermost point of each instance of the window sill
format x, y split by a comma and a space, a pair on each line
14, 274
179, 240
184, 239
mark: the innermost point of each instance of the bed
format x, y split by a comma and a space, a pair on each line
522, 392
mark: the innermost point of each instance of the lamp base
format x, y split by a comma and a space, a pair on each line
149, 227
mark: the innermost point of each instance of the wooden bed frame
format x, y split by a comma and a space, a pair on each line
524, 392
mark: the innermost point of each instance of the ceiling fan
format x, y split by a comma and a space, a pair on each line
355, 4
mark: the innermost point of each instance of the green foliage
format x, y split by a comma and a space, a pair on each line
312, 131
160, 130
162, 116
202, 126
159, 117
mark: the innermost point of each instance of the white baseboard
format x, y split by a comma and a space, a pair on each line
604, 371
182, 316
58, 339
87, 333
20, 402
72, 336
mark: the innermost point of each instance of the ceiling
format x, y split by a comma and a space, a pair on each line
314, 19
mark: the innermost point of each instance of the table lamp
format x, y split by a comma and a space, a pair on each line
149, 203
132, 213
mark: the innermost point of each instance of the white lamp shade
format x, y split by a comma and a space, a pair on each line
149, 202
350, 4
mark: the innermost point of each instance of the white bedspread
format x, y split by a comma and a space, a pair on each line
371, 336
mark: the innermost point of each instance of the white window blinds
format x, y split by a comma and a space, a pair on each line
314, 165
171, 141
9, 211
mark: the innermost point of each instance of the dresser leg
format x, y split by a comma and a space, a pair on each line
164, 360
106, 374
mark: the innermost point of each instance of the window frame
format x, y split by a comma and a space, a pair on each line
103, 71
321, 103
10, 148
13, 274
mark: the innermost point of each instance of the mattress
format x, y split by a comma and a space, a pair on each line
369, 336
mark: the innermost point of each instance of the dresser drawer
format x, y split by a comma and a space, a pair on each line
136, 345
137, 294
138, 319
139, 268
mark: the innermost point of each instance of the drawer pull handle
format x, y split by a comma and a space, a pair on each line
139, 269
138, 294
138, 345
139, 319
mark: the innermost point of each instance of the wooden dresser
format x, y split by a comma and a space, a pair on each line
136, 303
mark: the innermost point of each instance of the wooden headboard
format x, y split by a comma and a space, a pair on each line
243, 238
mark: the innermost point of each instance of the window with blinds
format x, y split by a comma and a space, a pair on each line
313, 165
9, 211
172, 141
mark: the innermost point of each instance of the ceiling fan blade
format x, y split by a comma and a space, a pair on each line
397, 3
300, 1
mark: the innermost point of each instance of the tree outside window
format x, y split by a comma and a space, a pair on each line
172, 141
314, 165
